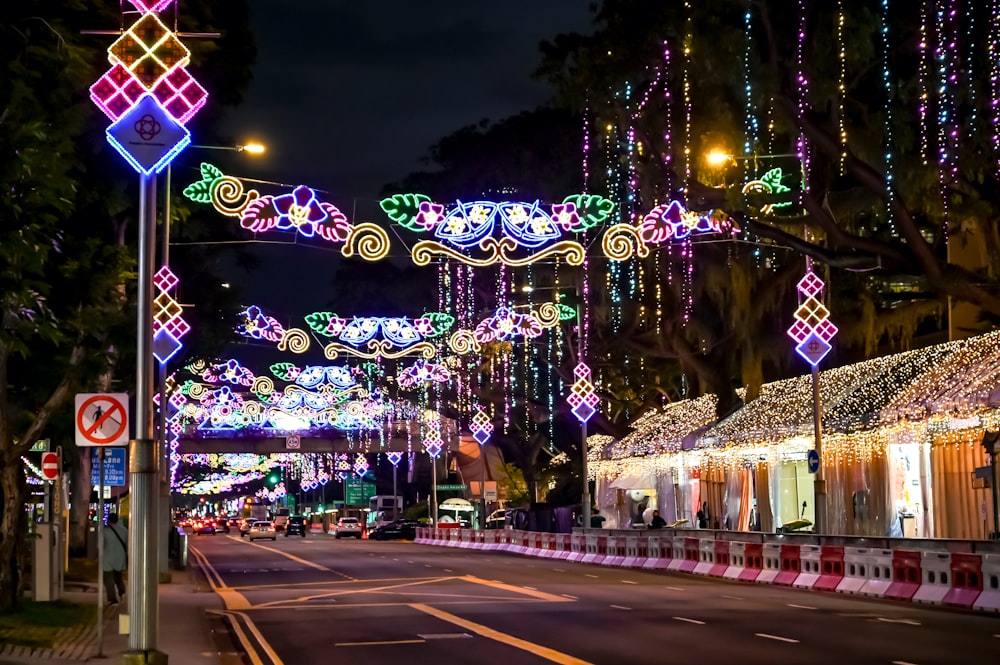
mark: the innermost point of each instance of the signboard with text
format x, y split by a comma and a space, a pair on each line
114, 467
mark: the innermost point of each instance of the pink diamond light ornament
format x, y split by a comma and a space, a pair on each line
812, 329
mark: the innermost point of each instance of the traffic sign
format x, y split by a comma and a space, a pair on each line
101, 419
292, 442
812, 460
114, 467
50, 465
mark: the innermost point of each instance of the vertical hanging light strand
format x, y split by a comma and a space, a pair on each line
751, 128
993, 51
688, 41
947, 130
841, 83
923, 76
890, 184
585, 161
803, 84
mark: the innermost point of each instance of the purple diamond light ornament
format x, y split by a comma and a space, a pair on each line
812, 330
583, 399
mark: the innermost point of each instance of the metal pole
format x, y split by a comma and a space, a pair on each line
395, 495
585, 498
434, 491
144, 457
482, 487
100, 552
819, 483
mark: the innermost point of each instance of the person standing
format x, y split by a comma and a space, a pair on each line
115, 559
657, 522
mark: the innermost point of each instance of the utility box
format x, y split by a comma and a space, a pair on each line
46, 563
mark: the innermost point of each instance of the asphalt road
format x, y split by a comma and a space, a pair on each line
318, 600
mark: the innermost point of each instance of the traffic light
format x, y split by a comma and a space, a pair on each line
272, 479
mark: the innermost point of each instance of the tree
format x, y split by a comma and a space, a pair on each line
65, 270
878, 228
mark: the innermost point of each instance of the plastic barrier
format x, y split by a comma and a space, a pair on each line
686, 552
597, 548
706, 556
966, 580
810, 560
548, 546
578, 547
936, 567
989, 599
564, 545
771, 553
905, 575
877, 569
659, 552
677, 553
615, 552
855, 570
831, 568
721, 558
746, 561
791, 565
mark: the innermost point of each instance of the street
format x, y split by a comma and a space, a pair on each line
305, 601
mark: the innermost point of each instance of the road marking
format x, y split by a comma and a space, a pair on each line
700, 623
375, 644
733, 597
514, 589
246, 642
902, 662
293, 558
621, 607
589, 575
673, 588
566, 595
427, 565
908, 622
531, 588
445, 636
628, 582
530, 647
559, 570
448, 570
777, 637
234, 600
801, 607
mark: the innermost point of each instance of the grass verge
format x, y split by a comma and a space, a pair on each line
37, 624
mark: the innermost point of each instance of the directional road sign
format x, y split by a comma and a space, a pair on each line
812, 460
101, 419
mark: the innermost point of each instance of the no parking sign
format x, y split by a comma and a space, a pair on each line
101, 419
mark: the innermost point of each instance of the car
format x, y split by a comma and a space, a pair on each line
261, 529
244, 526
347, 527
497, 519
296, 526
204, 527
401, 529
222, 525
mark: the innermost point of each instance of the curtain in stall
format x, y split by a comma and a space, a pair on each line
858, 501
958, 509
765, 516
713, 490
665, 499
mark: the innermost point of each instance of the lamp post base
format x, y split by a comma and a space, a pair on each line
142, 658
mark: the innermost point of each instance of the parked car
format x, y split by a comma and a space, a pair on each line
347, 527
497, 519
401, 529
296, 526
262, 529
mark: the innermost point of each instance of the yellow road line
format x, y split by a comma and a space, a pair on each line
275, 660
541, 595
233, 599
479, 629
300, 560
253, 587
345, 592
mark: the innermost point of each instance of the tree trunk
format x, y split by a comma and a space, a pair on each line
14, 549
79, 511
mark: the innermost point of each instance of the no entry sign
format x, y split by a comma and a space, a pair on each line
50, 465
101, 419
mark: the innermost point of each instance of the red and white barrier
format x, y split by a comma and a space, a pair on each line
934, 586
659, 551
989, 599
746, 561
966, 580
720, 559
810, 561
615, 552
597, 549
831, 570
905, 575
578, 547
791, 565
855, 570
771, 553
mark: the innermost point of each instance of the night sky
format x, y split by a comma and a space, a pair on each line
349, 96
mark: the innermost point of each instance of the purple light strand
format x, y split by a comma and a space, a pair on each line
800, 145
993, 50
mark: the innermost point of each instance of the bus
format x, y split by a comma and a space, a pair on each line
384, 508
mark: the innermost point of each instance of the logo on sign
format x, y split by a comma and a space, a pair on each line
102, 419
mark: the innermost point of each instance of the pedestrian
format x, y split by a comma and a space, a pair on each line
596, 519
115, 559
703, 516
657, 522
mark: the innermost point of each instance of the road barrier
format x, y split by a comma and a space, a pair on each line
962, 574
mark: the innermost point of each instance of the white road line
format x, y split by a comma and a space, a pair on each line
673, 588
908, 622
801, 607
902, 662
628, 582
448, 570
566, 595
777, 637
530, 588
621, 607
559, 570
733, 597
409, 561
427, 565
589, 575
685, 619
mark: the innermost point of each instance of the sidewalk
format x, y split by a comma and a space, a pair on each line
185, 630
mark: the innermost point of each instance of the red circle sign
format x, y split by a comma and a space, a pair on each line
94, 433
50, 466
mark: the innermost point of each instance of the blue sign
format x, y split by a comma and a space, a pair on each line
114, 466
147, 136
812, 459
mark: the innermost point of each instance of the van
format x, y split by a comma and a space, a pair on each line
281, 518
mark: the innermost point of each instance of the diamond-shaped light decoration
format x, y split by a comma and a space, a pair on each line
432, 442
149, 50
481, 427
116, 92
146, 6
583, 398
394, 457
361, 465
812, 330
